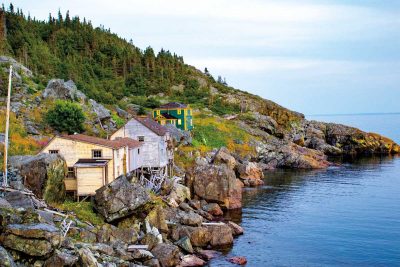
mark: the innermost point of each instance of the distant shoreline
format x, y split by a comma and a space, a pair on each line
352, 114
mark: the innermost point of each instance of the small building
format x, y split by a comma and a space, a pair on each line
157, 149
94, 162
175, 113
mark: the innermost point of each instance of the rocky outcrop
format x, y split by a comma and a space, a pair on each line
250, 172
224, 156
58, 89
216, 183
101, 112
168, 255
37, 240
120, 198
16, 66
44, 174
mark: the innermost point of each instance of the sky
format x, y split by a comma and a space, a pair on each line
312, 56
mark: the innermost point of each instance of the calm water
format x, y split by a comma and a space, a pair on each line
342, 216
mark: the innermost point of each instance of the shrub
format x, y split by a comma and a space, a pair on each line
66, 117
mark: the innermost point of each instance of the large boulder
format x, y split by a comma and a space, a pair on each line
199, 236
101, 112
120, 198
58, 89
168, 255
221, 236
60, 258
250, 170
175, 215
44, 174
37, 239
216, 183
223, 156
110, 234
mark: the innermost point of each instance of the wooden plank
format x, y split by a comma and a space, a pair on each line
133, 247
213, 223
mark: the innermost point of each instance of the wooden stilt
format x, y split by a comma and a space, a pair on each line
5, 176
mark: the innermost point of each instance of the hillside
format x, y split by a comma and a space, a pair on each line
126, 80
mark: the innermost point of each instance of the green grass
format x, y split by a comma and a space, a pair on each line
83, 211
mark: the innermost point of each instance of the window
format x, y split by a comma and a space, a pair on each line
179, 122
179, 111
71, 173
96, 153
138, 151
53, 151
141, 138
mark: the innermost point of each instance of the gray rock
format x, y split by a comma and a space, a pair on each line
185, 244
16, 65
15, 107
122, 113
4, 203
31, 128
2, 138
87, 258
120, 199
5, 258
61, 259
19, 200
58, 89
181, 137
100, 110
183, 217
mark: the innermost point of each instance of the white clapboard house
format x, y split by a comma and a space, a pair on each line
156, 151
93, 162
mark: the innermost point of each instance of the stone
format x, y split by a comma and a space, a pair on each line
5, 258
183, 217
43, 174
223, 156
167, 254
216, 183
16, 65
152, 263
32, 239
58, 89
110, 234
214, 209
150, 240
156, 218
207, 254
249, 170
4, 203
122, 113
87, 258
236, 229
103, 248
184, 243
239, 260
199, 236
120, 198
191, 261
101, 112
61, 259
221, 236
195, 204
179, 193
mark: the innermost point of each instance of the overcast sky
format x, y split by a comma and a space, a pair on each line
315, 56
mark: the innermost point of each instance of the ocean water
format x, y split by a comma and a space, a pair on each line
343, 216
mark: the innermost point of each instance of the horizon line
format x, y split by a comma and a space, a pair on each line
352, 114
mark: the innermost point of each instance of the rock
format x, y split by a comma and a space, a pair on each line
180, 137
221, 236
103, 248
195, 204
45, 217
122, 113
185, 244
150, 240
33, 239
191, 261
216, 183
299, 140
207, 254
4, 203
30, 128
61, 259
168, 255
110, 234
236, 229
156, 218
17, 199
87, 258
152, 263
100, 110
58, 89
5, 258
44, 174
239, 260
142, 255
250, 170
87, 236
182, 217
213, 208
16, 65
179, 193
199, 236
223, 156
120, 199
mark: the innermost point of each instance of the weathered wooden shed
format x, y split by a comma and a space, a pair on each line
93, 162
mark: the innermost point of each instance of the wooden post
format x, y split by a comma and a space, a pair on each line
5, 182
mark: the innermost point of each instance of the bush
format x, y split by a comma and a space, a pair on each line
66, 117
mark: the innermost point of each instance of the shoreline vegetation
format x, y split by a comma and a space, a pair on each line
237, 136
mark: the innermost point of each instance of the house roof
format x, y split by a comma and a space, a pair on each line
168, 116
152, 125
91, 163
115, 144
173, 105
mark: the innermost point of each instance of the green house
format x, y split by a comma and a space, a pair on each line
175, 113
